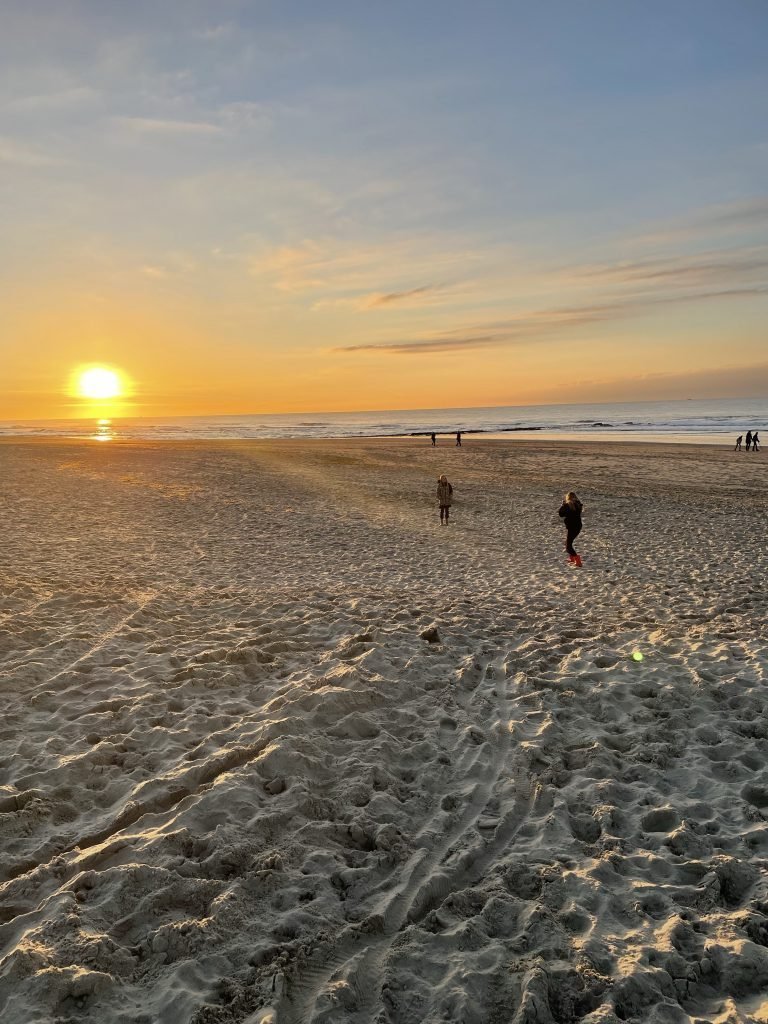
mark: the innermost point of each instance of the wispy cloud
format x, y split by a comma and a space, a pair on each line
744, 212
334, 268
65, 98
426, 345
19, 153
220, 31
703, 269
166, 126
542, 324
174, 264
519, 329
718, 219
245, 114
427, 294
294, 267
391, 298
355, 275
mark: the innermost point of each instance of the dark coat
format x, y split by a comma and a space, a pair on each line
444, 494
571, 514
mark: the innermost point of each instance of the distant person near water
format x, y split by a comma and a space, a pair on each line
458, 439
737, 448
570, 513
755, 442
444, 498
749, 439
434, 440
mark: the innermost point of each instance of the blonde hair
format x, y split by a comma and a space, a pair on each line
441, 478
571, 499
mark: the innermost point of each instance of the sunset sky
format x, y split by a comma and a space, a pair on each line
281, 206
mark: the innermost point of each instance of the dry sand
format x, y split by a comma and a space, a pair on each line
236, 784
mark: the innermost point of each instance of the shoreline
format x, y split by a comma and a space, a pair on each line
692, 421
481, 437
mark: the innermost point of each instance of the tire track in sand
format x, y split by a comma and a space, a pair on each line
364, 947
98, 644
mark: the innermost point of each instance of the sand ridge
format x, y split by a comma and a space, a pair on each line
237, 784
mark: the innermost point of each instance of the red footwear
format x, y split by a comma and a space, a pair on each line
577, 561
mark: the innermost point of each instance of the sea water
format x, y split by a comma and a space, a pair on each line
714, 421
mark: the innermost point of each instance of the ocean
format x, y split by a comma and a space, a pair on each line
710, 421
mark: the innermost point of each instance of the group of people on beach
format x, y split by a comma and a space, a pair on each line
571, 508
570, 512
433, 435
753, 441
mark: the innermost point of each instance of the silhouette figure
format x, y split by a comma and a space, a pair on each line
434, 441
458, 439
749, 439
738, 443
755, 442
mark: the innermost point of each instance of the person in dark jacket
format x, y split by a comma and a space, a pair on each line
434, 440
444, 498
755, 442
458, 439
749, 439
570, 513
739, 439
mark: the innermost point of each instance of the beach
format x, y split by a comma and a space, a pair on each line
277, 748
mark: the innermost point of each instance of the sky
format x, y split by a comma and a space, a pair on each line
302, 206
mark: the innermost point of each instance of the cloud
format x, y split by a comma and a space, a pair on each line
247, 114
744, 212
14, 152
376, 300
720, 218
543, 323
427, 345
352, 274
59, 99
175, 264
339, 277
294, 268
702, 270
220, 31
314, 265
165, 126
522, 328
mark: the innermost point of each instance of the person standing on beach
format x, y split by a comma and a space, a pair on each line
434, 440
444, 498
736, 449
749, 439
755, 442
570, 512
458, 439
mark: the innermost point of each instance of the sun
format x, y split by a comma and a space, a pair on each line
99, 382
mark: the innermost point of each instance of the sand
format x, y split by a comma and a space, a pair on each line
238, 783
